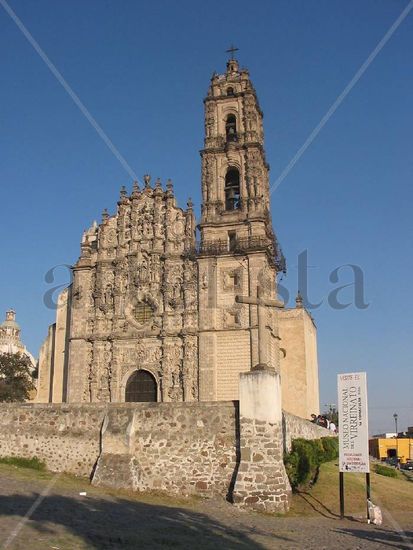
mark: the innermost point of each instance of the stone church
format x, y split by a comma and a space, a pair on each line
163, 309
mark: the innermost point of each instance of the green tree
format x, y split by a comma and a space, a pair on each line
16, 381
332, 414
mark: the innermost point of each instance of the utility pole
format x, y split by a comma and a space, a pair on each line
395, 416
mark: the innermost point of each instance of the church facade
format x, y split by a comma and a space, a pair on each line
155, 313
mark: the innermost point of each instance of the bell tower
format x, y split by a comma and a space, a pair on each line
238, 251
235, 185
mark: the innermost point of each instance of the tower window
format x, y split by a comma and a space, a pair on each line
232, 240
232, 190
231, 128
230, 91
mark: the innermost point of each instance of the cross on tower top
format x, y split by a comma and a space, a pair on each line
232, 50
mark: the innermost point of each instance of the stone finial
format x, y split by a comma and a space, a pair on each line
135, 190
123, 192
10, 315
169, 186
147, 180
105, 215
190, 204
158, 191
299, 301
85, 246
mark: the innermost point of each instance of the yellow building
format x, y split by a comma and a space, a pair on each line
393, 447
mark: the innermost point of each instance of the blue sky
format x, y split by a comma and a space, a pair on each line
142, 69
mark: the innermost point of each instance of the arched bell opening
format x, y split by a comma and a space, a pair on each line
232, 189
141, 387
231, 128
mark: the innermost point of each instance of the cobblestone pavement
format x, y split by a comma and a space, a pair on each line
42, 512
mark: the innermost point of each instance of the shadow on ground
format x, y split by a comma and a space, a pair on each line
389, 539
120, 523
316, 505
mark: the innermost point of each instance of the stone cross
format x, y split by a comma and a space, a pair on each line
261, 303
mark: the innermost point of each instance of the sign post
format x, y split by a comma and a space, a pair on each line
353, 429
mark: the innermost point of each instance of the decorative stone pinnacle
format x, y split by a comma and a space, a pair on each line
299, 300
147, 180
123, 192
158, 183
10, 315
169, 186
105, 215
135, 189
190, 204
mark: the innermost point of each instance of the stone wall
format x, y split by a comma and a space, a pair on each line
65, 437
299, 367
295, 427
204, 448
182, 448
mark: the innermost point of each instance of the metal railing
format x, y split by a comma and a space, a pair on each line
241, 246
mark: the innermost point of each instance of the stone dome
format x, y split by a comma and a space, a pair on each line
10, 337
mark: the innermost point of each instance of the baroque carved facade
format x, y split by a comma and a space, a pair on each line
134, 299
148, 297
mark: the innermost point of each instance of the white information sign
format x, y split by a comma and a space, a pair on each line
353, 431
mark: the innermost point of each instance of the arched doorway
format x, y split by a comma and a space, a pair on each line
141, 387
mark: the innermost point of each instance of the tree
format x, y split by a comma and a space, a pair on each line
332, 414
16, 382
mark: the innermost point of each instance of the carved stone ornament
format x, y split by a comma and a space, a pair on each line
232, 279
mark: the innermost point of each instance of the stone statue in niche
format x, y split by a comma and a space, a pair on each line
142, 275
175, 391
108, 298
209, 120
204, 279
250, 113
122, 287
176, 293
190, 298
156, 269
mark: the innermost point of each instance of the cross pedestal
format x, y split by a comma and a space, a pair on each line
261, 303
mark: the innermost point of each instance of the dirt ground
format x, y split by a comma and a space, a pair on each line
40, 511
